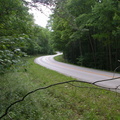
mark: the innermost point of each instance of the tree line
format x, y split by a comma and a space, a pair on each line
19, 35
87, 31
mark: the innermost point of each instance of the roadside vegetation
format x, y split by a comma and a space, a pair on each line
87, 32
19, 35
60, 58
62, 102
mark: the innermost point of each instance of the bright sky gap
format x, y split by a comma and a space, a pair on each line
41, 16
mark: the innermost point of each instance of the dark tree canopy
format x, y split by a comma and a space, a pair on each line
88, 32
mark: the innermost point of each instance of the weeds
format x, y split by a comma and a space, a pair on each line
63, 102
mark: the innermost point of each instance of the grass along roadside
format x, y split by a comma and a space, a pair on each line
60, 58
63, 102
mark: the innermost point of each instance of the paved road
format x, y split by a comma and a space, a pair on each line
80, 73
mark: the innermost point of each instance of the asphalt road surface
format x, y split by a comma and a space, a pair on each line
80, 73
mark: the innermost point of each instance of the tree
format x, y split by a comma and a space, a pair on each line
87, 32
18, 34
103, 15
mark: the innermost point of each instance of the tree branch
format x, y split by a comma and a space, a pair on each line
106, 80
60, 83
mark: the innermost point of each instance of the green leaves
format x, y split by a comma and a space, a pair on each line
92, 32
19, 34
10, 51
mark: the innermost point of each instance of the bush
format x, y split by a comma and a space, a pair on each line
10, 52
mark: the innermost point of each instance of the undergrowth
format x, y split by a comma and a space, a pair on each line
60, 59
63, 102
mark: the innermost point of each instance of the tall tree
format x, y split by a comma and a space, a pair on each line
18, 33
87, 32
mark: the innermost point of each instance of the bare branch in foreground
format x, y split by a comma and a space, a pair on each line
71, 81
105, 80
115, 71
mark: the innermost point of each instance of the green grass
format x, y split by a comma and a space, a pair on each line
63, 102
60, 58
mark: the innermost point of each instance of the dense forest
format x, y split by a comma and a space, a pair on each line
88, 31
19, 35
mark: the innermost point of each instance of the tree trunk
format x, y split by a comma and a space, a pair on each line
110, 56
92, 48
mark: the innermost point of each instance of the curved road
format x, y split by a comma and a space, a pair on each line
80, 73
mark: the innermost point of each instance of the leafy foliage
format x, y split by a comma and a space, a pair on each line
10, 51
88, 32
19, 34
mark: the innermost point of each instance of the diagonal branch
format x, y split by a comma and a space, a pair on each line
105, 80
71, 81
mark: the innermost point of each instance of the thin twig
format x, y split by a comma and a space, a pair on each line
10, 117
105, 80
115, 71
